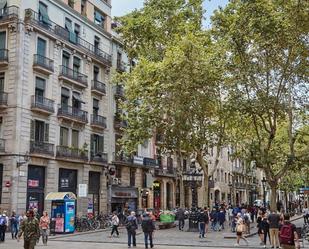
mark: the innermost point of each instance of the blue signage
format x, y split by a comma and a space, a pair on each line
69, 216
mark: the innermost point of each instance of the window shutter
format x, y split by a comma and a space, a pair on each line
46, 133
92, 144
32, 122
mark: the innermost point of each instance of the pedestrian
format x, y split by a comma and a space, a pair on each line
206, 220
37, 216
3, 226
306, 214
115, 224
265, 228
240, 229
30, 229
260, 228
131, 226
247, 221
14, 221
202, 218
221, 219
181, 218
148, 227
288, 234
214, 219
274, 220
44, 226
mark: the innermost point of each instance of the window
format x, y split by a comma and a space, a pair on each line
68, 27
43, 13
66, 59
39, 89
2, 77
76, 64
71, 3
119, 58
41, 47
95, 107
64, 136
132, 177
83, 7
77, 29
1, 180
76, 101
96, 72
97, 144
118, 172
65, 95
96, 44
2, 42
99, 18
225, 177
75, 139
67, 180
39, 131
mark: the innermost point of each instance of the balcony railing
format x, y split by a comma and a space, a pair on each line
122, 158
165, 172
150, 162
119, 123
99, 157
3, 99
73, 113
121, 67
8, 13
98, 86
42, 103
98, 120
240, 185
42, 61
55, 29
2, 145
4, 55
74, 153
38, 147
119, 91
73, 75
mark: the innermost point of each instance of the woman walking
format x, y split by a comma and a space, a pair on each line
115, 224
44, 226
265, 228
260, 228
14, 225
240, 230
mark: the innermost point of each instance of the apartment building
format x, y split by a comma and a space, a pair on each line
55, 102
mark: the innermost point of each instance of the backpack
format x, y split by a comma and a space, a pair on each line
2, 220
286, 235
130, 224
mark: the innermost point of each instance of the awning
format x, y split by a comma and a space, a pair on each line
60, 196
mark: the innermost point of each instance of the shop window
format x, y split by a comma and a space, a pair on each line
67, 180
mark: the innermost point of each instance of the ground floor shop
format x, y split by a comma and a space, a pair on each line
27, 185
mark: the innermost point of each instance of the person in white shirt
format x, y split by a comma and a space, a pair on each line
306, 214
115, 224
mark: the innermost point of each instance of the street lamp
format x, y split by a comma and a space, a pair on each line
264, 190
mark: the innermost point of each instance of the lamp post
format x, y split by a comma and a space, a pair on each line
264, 190
193, 179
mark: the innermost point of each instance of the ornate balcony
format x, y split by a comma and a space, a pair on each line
37, 147
119, 123
3, 100
4, 57
119, 92
43, 64
53, 29
98, 87
98, 121
99, 157
8, 14
42, 105
69, 153
165, 172
69, 75
73, 114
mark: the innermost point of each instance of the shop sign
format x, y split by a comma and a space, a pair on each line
138, 160
33, 183
124, 193
64, 182
82, 190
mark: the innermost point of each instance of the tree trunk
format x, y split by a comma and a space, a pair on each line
204, 166
273, 196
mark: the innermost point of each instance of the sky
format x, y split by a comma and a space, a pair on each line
122, 7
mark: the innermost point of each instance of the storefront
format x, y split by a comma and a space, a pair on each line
123, 199
67, 180
35, 188
94, 193
157, 195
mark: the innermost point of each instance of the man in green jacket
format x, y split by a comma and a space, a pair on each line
30, 229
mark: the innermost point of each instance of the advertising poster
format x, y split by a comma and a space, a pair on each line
69, 216
59, 227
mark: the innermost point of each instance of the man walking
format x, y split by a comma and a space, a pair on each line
3, 225
202, 219
288, 234
274, 220
148, 228
181, 218
131, 225
30, 229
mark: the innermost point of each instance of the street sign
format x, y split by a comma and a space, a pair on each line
82, 190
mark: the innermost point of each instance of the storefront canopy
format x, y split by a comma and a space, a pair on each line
60, 196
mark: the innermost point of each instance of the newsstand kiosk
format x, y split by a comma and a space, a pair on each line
62, 211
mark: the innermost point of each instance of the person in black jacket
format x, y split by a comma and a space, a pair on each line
148, 228
202, 220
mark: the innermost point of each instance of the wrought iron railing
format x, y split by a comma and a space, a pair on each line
3, 98
44, 62
119, 91
42, 103
47, 24
8, 13
73, 113
39, 147
100, 157
98, 120
74, 153
99, 86
74, 75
